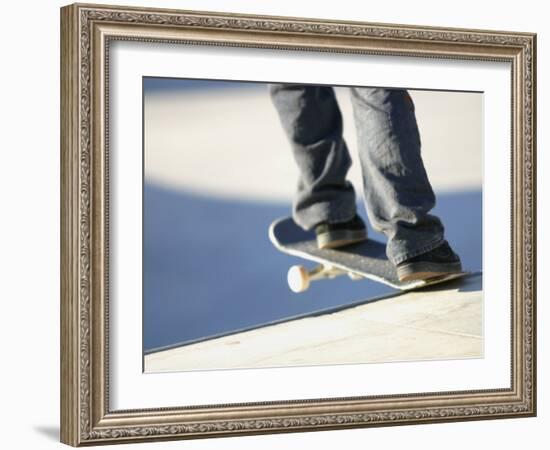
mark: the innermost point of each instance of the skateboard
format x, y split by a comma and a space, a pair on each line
362, 260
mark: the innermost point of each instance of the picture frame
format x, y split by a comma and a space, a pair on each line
87, 31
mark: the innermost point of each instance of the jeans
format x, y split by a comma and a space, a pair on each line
398, 194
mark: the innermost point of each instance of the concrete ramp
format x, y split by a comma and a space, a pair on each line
441, 322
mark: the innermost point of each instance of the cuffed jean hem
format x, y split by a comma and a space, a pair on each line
399, 257
310, 216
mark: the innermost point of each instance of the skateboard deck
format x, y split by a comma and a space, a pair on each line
366, 259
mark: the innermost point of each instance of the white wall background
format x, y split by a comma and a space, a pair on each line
29, 224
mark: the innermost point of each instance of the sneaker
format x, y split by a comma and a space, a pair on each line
435, 263
333, 235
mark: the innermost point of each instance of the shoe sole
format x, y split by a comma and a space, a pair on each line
426, 270
341, 238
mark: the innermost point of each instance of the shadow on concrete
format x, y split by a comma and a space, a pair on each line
210, 269
469, 283
475, 285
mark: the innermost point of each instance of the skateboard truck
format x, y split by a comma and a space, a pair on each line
299, 277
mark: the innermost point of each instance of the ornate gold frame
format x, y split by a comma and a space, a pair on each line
86, 31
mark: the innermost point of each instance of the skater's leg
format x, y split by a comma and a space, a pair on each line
398, 194
312, 122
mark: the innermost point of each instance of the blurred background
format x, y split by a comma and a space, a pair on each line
218, 170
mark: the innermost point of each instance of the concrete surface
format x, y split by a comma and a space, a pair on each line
441, 322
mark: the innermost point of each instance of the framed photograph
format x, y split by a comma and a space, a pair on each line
274, 224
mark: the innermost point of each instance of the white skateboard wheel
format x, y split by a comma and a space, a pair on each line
298, 278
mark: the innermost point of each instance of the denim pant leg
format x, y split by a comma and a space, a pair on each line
398, 194
312, 122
